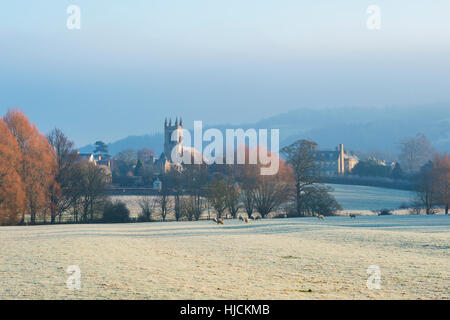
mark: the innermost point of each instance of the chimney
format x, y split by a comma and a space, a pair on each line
341, 159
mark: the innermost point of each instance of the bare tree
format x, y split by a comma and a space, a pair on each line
425, 187
178, 207
92, 189
187, 208
148, 206
441, 172
248, 177
216, 194
165, 205
300, 157
61, 193
175, 179
196, 177
232, 198
269, 194
164, 201
415, 152
248, 199
433, 184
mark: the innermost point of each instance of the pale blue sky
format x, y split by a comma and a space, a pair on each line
135, 62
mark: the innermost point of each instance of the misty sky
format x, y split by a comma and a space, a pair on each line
135, 62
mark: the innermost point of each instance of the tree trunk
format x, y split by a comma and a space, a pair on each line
298, 200
52, 215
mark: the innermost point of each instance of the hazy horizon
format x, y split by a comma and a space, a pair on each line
133, 64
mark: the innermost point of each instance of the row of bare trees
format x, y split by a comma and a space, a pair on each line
296, 188
182, 193
82, 184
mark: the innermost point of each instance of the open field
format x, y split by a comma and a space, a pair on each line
353, 197
269, 259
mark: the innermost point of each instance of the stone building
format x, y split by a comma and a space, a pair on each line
170, 130
333, 163
164, 162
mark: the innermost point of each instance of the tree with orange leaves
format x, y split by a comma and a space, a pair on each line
12, 195
37, 163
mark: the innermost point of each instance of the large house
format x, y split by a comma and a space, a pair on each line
334, 163
104, 164
89, 157
95, 159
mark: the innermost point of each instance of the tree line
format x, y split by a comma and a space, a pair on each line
230, 191
43, 180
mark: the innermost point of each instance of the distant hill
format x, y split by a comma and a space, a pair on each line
154, 142
365, 129
362, 129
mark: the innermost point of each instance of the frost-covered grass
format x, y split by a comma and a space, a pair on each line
266, 259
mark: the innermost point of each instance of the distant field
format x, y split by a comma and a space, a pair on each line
301, 258
353, 197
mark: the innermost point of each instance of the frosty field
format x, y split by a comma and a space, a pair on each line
301, 258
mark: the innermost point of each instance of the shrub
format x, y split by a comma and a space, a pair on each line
142, 218
116, 212
385, 212
319, 200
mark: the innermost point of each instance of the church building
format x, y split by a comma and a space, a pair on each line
165, 162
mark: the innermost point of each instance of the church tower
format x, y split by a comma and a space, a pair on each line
169, 129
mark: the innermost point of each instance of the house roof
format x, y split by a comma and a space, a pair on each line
85, 155
351, 156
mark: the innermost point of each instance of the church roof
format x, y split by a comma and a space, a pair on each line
162, 158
